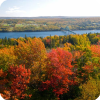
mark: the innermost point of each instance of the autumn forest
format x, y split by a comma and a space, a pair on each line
50, 68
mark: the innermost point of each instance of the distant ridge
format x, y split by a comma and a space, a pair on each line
48, 17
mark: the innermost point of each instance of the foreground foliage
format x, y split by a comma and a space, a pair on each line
28, 72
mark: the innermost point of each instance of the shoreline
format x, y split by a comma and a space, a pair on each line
48, 30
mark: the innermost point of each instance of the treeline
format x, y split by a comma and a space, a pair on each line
49, 24
55, 41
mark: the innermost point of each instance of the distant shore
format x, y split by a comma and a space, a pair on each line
46, 30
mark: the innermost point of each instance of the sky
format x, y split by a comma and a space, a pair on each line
36, 8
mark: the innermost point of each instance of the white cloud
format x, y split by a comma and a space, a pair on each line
1, 1
56, 8
1, 98
14, 10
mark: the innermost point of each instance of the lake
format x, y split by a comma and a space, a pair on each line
42, 34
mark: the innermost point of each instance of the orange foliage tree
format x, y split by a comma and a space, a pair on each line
31, 51
95, 65
7, 57
32, 54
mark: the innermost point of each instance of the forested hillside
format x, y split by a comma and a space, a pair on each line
49, 24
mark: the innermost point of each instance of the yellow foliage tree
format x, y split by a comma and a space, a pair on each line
7, 57
90, 89
68, 47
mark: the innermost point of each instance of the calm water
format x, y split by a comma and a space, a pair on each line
41, 34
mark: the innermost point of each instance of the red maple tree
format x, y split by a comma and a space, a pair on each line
59, 72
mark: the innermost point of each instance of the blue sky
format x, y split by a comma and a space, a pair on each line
34, 8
